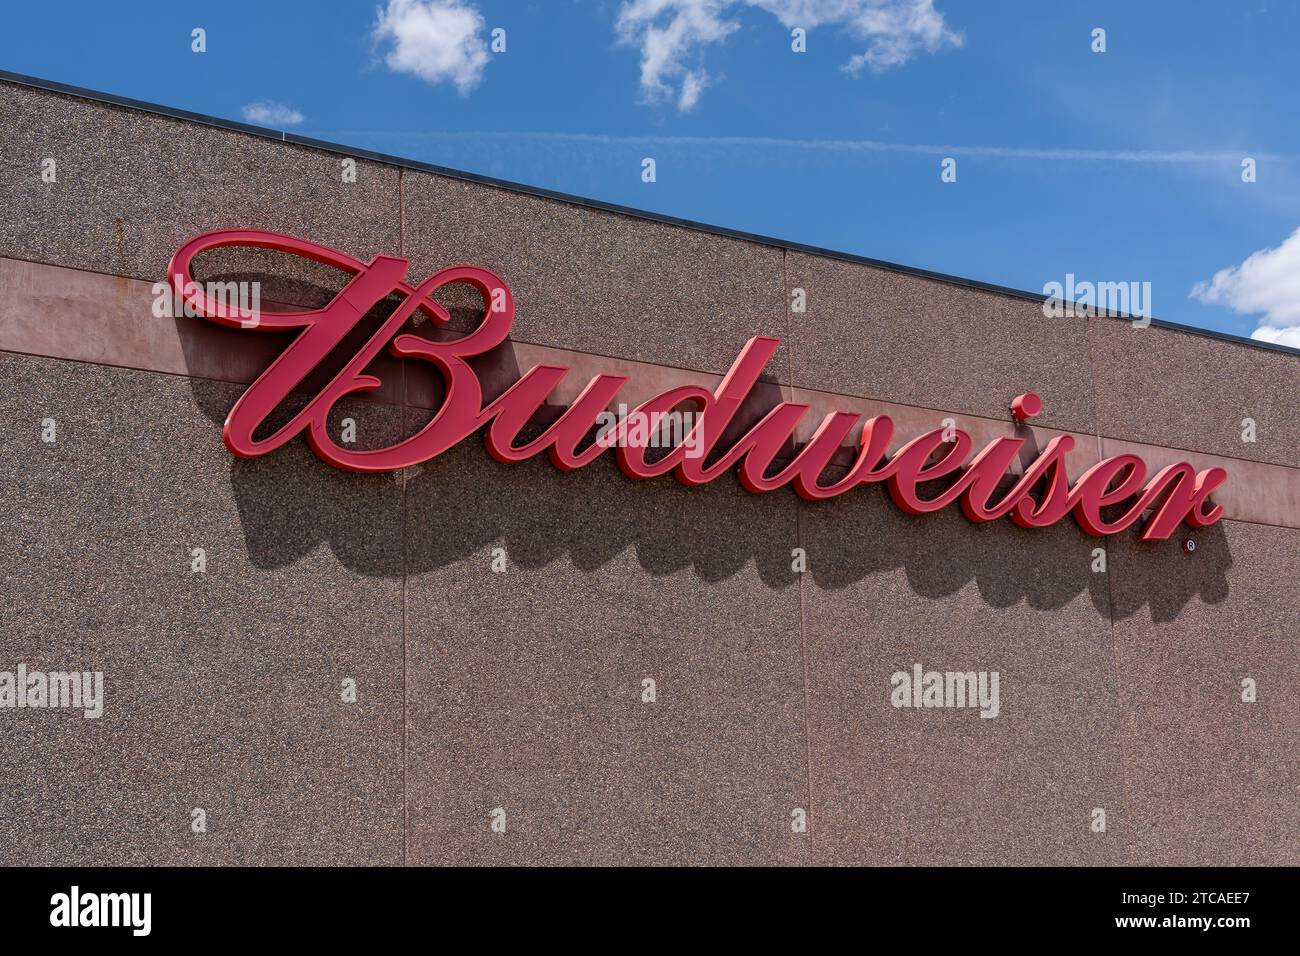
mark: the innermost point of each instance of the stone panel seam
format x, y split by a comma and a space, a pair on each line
406, 637
1091, 432
1128, 719
1117, 676
811, 856
1269, 459
406, 405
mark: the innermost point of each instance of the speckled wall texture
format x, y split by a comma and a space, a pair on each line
520, 697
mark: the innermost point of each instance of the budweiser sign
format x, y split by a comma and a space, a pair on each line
1040, 495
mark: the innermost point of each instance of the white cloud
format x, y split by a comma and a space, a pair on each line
667, 31
1290, 335
670, 33
894, 29
268, 113
1267, 282
693, 85
436, 40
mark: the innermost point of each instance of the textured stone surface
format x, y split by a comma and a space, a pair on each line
886, 335
1212, 780
222, 689
522, 690
133, 186
945, 786
524, 687
1192, 391
601, 282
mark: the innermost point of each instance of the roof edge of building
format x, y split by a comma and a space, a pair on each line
204, 119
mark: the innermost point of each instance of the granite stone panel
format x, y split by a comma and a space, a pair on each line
526, 684
223, 690
937, 785
131, 187
881, 334
1213, 779
601, 282
1192, 391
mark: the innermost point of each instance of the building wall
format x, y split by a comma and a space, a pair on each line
522, 690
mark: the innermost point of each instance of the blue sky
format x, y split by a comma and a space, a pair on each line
1115, 166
